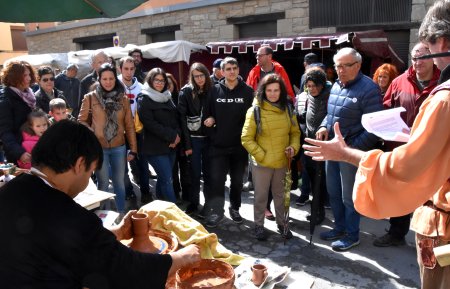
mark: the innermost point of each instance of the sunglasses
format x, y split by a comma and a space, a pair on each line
47, 79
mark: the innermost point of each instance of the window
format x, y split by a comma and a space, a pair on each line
19, 42
261, 25
160, 34
340, 13
95, 42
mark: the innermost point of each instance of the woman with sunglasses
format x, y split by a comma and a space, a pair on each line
191, 106
47, 90
17, 100
106, 110
161, 133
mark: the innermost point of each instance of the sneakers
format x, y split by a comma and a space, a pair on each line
260, 233
213, 220
388, 240
268, 215
302, 200
288, 234
235, 216
332, 235
203, 213
344, 244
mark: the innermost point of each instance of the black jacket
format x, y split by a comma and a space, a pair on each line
228, 107
86, 84
161, 125
13, 113
71, 91
43, 101
190, 106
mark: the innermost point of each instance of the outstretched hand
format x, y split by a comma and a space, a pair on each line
333, 150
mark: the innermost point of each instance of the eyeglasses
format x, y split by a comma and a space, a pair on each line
199, 76
417, 58
231, 68
47, 79
260, 55
159, 81
345, 65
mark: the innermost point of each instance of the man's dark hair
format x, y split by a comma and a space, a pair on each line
63, 143
130, 53
43, 70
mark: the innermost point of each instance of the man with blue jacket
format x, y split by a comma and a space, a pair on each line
351, 96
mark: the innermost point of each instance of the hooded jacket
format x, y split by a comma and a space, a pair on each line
70, 86
255, 76
188, 106
132, 92
278, 131
228, 107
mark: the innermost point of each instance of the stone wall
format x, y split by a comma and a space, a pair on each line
198, 25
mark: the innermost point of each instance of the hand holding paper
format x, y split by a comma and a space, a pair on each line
387, 124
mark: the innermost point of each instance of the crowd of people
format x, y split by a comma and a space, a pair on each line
219, 125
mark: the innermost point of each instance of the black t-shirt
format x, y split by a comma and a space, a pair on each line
49, 241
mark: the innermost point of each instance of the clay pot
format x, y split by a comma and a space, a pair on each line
142, 241
206, 274
259, 274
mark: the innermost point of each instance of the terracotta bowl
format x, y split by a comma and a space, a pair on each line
171, 240
205, 274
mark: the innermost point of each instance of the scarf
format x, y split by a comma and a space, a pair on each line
110, 102
27, 96
161, 97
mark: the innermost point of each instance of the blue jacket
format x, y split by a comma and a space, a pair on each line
347, 104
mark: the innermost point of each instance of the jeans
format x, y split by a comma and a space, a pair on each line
163, 165
199, 164
222, 161
114, 159
340, 179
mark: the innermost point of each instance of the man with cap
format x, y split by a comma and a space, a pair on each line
217, 72
266, 65
69, 84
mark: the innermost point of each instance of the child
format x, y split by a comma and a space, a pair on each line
58, 111
32, 130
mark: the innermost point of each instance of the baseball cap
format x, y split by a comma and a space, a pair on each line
217, 62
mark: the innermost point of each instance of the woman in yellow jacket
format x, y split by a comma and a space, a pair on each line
268, 138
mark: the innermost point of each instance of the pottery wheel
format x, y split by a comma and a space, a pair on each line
157, 242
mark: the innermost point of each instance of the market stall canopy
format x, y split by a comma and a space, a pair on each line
169, 51
26, 11
370, 43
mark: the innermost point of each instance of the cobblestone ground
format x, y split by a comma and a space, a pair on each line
318, 266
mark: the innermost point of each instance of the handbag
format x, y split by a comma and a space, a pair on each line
194, 122
138, 126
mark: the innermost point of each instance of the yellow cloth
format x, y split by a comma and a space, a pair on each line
166, 216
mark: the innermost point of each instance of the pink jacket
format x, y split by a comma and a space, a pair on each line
28, 143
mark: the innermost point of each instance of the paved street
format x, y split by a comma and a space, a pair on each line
318, 266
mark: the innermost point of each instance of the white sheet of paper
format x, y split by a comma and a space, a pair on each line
387, 124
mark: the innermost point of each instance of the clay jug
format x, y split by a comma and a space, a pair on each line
141, 240
259, 274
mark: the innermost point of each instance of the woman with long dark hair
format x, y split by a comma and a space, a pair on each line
106, 110
16, 102
161, 133
268, 142
191, 106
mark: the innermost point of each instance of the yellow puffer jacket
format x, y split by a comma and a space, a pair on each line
278, 132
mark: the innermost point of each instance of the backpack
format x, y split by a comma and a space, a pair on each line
257, 116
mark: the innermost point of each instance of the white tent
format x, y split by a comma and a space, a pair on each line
169, 51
